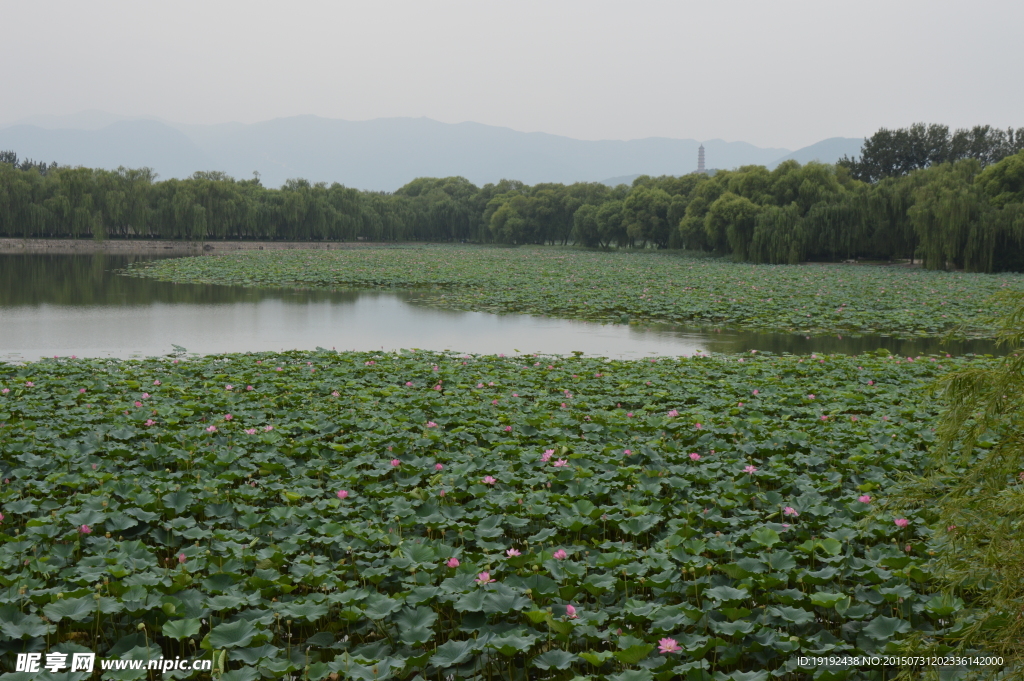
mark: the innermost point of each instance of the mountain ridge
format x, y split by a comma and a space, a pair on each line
380, 154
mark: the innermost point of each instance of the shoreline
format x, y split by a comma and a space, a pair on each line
152, 246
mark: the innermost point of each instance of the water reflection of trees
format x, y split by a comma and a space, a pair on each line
87, 280
778, 343
92, 280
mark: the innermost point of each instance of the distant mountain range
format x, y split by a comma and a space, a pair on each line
381, 154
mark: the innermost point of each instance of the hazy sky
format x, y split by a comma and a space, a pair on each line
778, 73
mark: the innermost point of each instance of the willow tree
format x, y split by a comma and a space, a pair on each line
731, 220
836, 226
945, 209
886, 206
778, 236
975, 493
645, 214
585, 229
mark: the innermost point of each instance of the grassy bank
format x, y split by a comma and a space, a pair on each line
621, 286
500, 517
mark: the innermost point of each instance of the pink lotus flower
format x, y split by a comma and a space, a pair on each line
489, 480
249, 387
278, 369
854, 418
698, 426
484, 578
694, 456
560, 463
441, 493
668, 645
740, 404
81, 390
789, 510
508, 429
137, 403
546, 456
824, 418
29, 384
494, 402
84, 529
871, 382
901, 522
453, 562
150, 422
229, 387
864, 499
335, 393
181, 558
228, 417
438, 467
342, 493
810, 397
395, 463
479, 385
157, 382
211, 429
7, 390
570, 612
250, 431
437, 387
673, 413
512, 553
431, 424
629, 415
750, 469
259, 361
408, 384
755, 392
560, 554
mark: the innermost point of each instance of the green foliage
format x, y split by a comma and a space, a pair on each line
649, 286
976, 487
228, 536
891, 153
785, 216
1003, 182
730, 221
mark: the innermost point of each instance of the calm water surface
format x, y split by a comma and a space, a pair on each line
76, 304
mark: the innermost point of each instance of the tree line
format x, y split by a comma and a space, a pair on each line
950, 200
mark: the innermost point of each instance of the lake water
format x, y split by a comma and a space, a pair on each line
76, 304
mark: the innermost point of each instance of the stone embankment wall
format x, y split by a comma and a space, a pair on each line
139, 246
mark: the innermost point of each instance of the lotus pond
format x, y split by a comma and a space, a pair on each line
420, 515
625, 286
